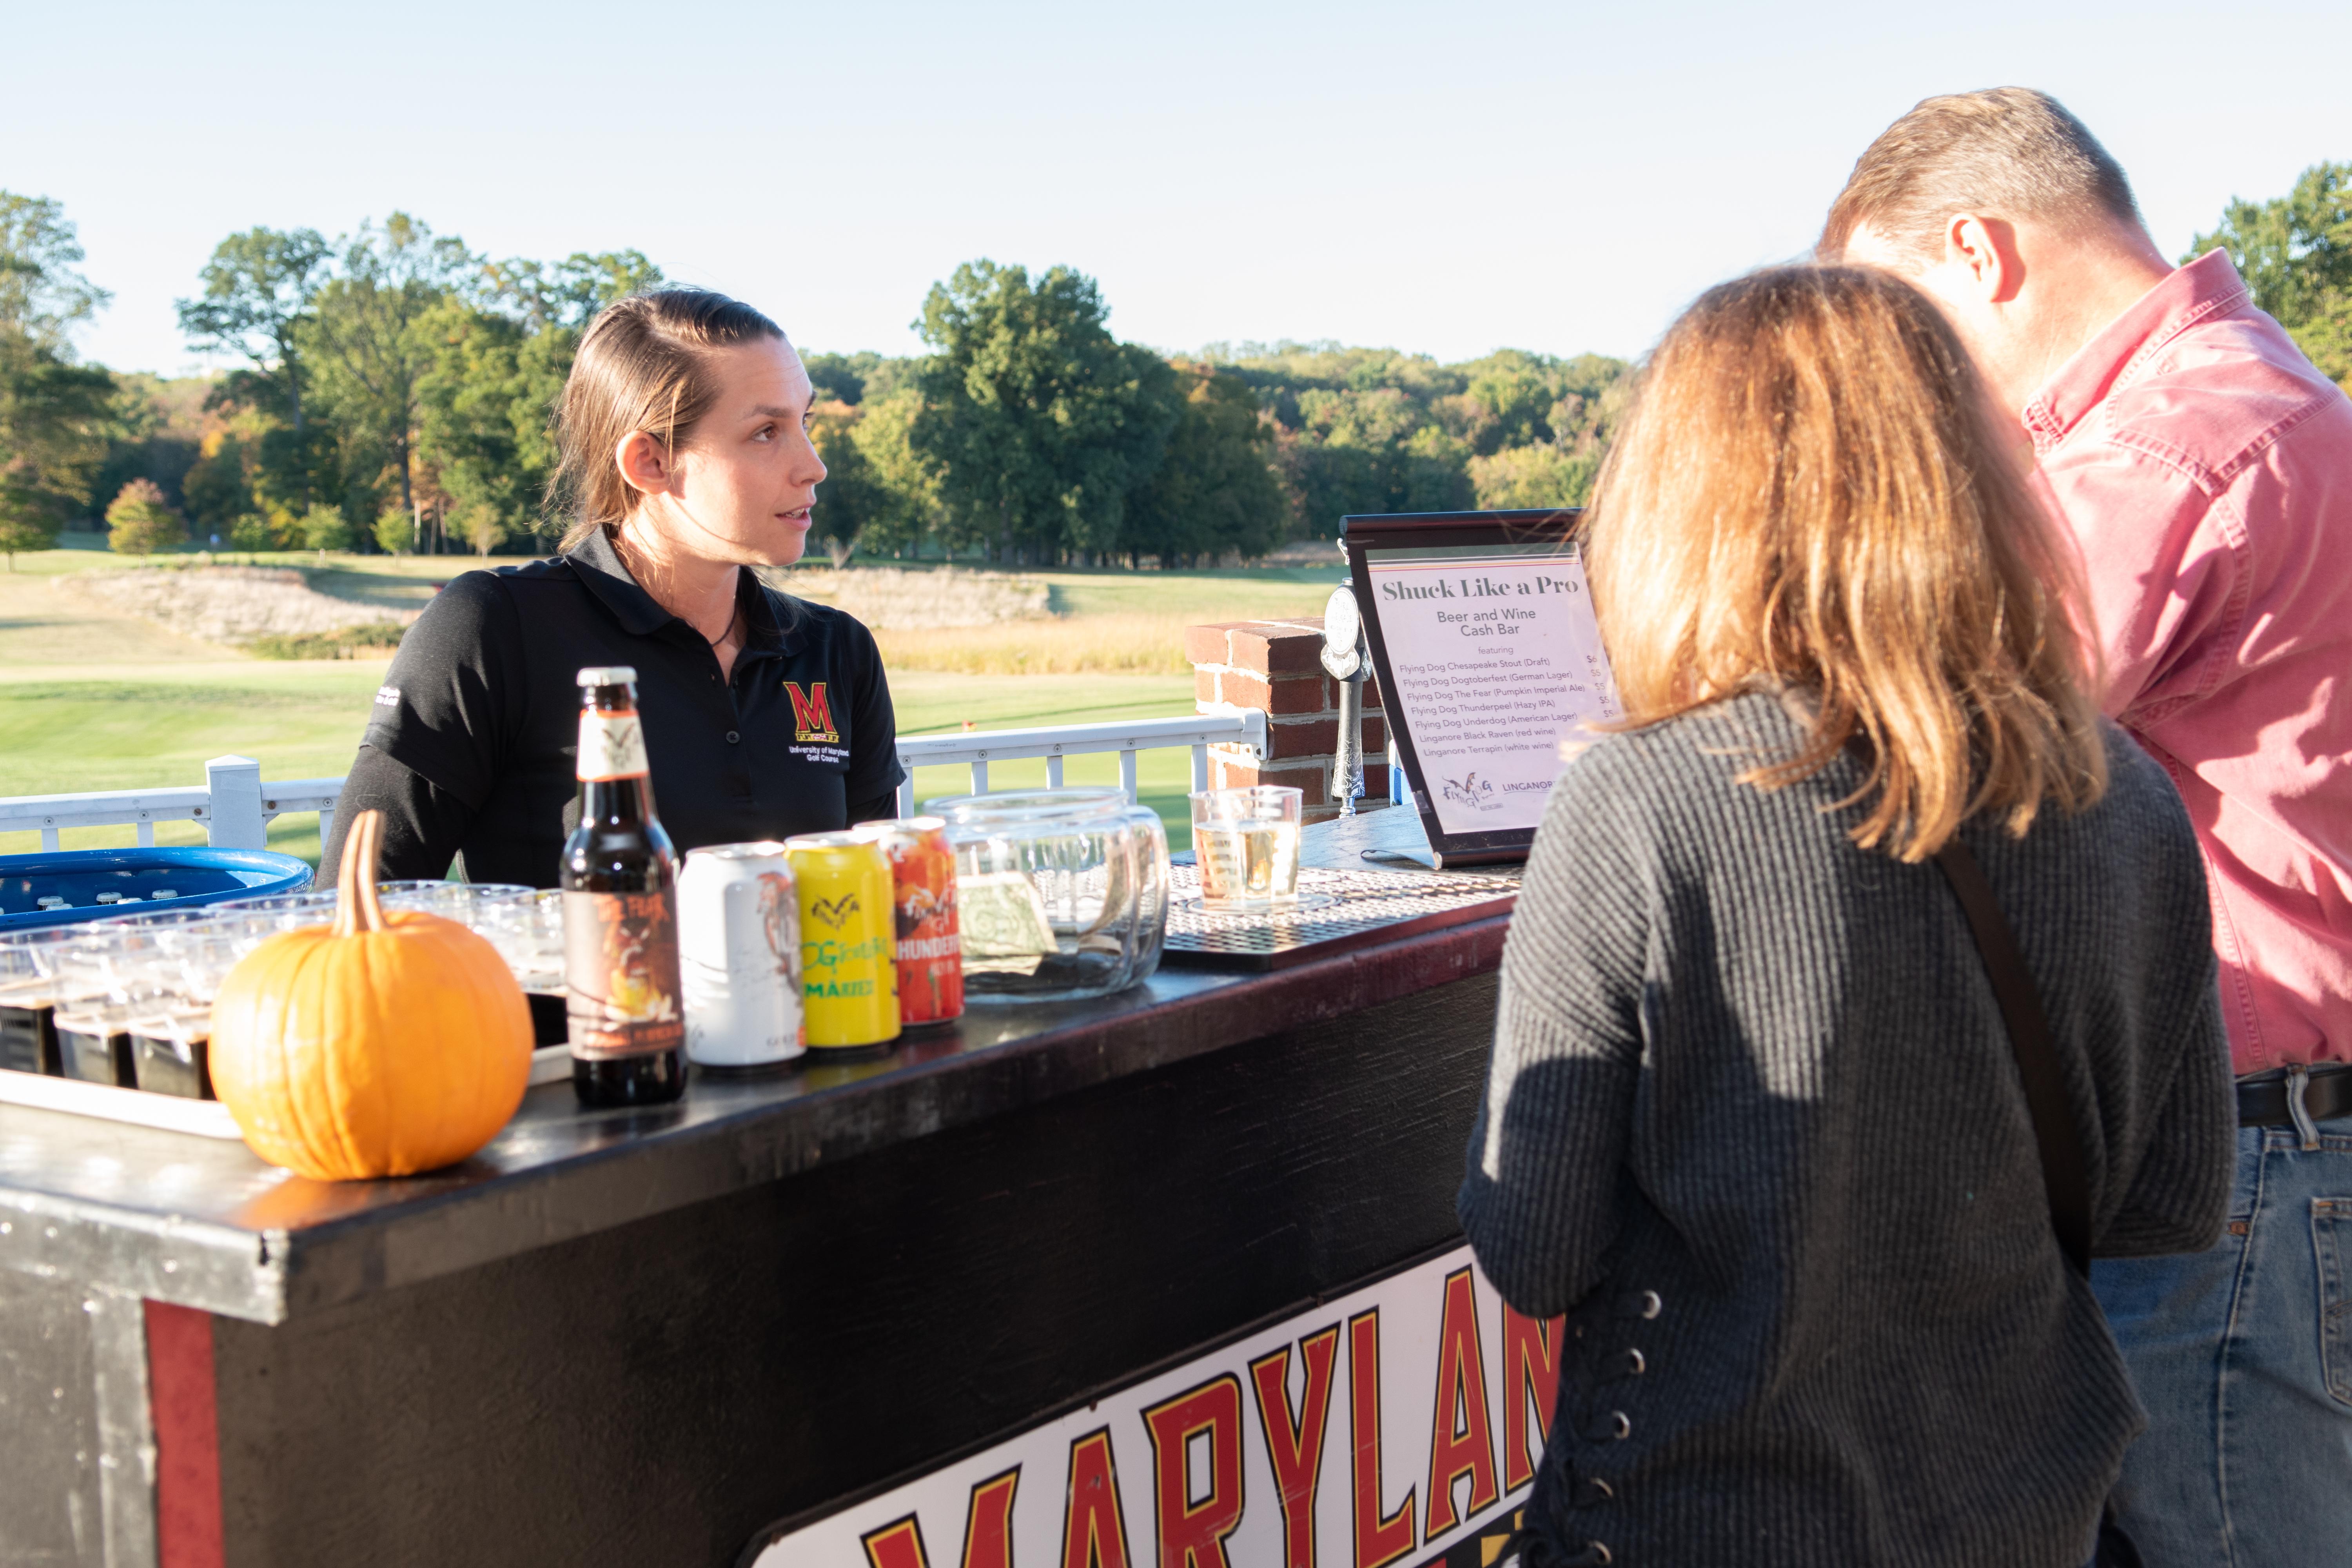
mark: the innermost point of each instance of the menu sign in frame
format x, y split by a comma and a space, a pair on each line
1489, 658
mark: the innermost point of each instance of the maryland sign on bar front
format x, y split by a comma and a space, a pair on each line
1398, 1424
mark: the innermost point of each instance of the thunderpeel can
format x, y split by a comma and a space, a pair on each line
849, 976
739, 947
929, 945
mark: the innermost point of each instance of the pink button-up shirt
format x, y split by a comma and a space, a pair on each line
2205, 469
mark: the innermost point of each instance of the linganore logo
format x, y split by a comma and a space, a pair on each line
811, 713
1472, 790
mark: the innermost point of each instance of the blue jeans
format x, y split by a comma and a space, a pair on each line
2243, 1356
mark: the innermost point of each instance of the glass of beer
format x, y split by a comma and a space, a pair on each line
1246, 843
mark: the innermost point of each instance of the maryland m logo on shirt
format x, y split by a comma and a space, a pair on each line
811, 713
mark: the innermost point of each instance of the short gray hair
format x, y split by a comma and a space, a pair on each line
2007, 149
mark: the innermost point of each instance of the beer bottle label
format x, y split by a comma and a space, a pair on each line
612, 746
620, 973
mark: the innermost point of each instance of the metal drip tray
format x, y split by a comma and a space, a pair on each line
1337, 910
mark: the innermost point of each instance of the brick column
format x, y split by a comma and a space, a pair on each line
1276, 667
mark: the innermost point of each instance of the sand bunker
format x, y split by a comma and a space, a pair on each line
231, 604
891, 597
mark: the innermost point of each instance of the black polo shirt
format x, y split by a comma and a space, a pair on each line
471, 748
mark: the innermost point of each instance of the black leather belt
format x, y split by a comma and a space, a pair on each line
2262, 1102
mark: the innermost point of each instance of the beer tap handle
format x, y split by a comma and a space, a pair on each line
1347, 759
1347, 658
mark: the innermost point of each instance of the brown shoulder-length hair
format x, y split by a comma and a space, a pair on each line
643, 364
1809, 492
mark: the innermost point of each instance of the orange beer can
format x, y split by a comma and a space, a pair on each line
929, 941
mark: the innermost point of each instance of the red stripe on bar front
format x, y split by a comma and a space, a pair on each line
187, 1438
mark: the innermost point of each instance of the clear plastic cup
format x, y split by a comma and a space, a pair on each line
1246, 842
527, 928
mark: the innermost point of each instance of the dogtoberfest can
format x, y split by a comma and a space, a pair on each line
738, 945
849, 979
929, 946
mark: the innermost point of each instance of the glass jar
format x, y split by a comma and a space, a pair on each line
1061, 893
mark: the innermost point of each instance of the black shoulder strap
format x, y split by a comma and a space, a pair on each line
2064, 1173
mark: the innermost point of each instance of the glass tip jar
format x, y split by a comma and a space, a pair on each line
1062, 893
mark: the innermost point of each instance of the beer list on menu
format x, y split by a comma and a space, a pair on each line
1498, 661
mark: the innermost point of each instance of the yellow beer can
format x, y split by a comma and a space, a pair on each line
849, 971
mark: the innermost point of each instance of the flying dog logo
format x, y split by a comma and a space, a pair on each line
811, 713
833, 911
1470, 790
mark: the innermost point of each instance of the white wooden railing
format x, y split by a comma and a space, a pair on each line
235, 805
1241, 727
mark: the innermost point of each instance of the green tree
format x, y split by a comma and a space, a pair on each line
908, 510
1214, 492
841, 378
563, 294
395, 531
1535, 475
258, 288
1039, 422
55, 417
217, 489
480, 524
42, 296
501, 349
140, 521
22, 527
368, 338
851, 498
251, 533
326, 528
2295, 255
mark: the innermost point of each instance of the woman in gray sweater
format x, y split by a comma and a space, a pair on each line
1753, 1121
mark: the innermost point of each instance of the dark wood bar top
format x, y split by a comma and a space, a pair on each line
205, 1224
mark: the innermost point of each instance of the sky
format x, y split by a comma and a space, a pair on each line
1445, 179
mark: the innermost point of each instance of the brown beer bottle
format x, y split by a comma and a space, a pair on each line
621, 996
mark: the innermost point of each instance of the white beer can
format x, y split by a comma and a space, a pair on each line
739, 946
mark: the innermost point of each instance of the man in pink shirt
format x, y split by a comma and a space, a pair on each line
2204, 469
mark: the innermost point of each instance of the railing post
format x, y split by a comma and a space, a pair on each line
907, 793
1127, 775
234, 819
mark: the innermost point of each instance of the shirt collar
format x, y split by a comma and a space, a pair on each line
2208, 286
599, 566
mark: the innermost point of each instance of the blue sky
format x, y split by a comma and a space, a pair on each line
1444, 179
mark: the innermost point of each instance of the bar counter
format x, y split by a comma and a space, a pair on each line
645, 1337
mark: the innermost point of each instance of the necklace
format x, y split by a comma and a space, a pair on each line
732, 622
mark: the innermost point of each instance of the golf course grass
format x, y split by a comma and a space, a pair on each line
94, 700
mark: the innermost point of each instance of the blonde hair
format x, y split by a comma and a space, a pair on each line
2010, 151
643, 364
1809, 492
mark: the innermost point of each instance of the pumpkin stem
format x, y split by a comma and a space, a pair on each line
357, 908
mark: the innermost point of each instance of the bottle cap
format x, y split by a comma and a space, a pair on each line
608, 674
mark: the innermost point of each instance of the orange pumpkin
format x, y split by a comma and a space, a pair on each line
379, 1045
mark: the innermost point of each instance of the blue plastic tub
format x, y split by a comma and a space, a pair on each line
141, 880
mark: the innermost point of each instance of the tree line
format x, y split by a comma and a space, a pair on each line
393, 387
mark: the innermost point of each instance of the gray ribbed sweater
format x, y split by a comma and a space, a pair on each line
1751, 1080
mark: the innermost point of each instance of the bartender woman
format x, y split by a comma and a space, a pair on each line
685, 462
